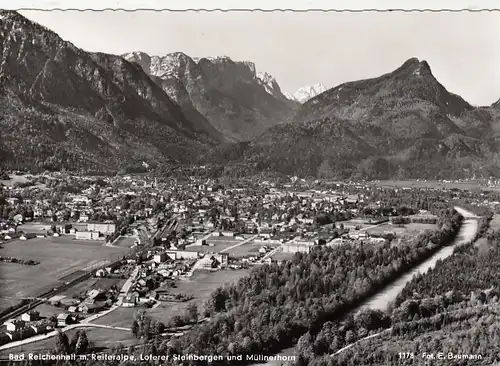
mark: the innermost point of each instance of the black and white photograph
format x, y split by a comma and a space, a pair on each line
238, 187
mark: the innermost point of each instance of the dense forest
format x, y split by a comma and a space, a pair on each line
468, 330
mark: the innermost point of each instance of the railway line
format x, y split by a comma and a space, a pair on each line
41, 298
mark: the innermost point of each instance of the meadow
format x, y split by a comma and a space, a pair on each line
249, 249
408, 229
215, 248
200, 285
471, 185
99, 337
124, 242
58, 257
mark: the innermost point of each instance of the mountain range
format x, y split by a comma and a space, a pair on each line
65, 108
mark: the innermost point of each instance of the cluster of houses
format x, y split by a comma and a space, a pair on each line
147, 279
28, 325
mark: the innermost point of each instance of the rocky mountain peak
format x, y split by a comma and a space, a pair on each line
227, 94
414, 66
140, 58
410, 84
226, 70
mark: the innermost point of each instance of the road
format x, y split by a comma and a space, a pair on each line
85, 323
388, 330
239, 244
371, 227
465, 214
196, 266
361, 340
53, 333
126, 286
274, 251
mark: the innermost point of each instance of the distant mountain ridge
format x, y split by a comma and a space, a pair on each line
229, 95
402, 124
64, 108
303, 94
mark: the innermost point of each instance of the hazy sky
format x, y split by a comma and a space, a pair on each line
299, 49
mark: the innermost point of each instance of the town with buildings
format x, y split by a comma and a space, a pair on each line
76, 250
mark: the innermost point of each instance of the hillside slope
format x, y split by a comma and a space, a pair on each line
62, 107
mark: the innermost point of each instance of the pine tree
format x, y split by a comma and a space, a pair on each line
82, 343
135, 329
62, 343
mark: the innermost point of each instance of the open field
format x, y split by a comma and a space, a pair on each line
362, 224
72, 276
42, 227
34, 227
210, 248
248, 249
408, 229
100, 337
58, 258
472, 185
121, 317
223, 239
93, 283
6, 302
200, 285
124, 242
14, 179
223, 242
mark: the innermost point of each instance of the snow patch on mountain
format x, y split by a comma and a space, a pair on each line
269, 83
305, 93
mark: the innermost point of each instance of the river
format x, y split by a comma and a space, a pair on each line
387, 295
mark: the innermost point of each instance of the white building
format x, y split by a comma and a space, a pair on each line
104, 228
160, 257
181, 254
14, 325
87, 235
